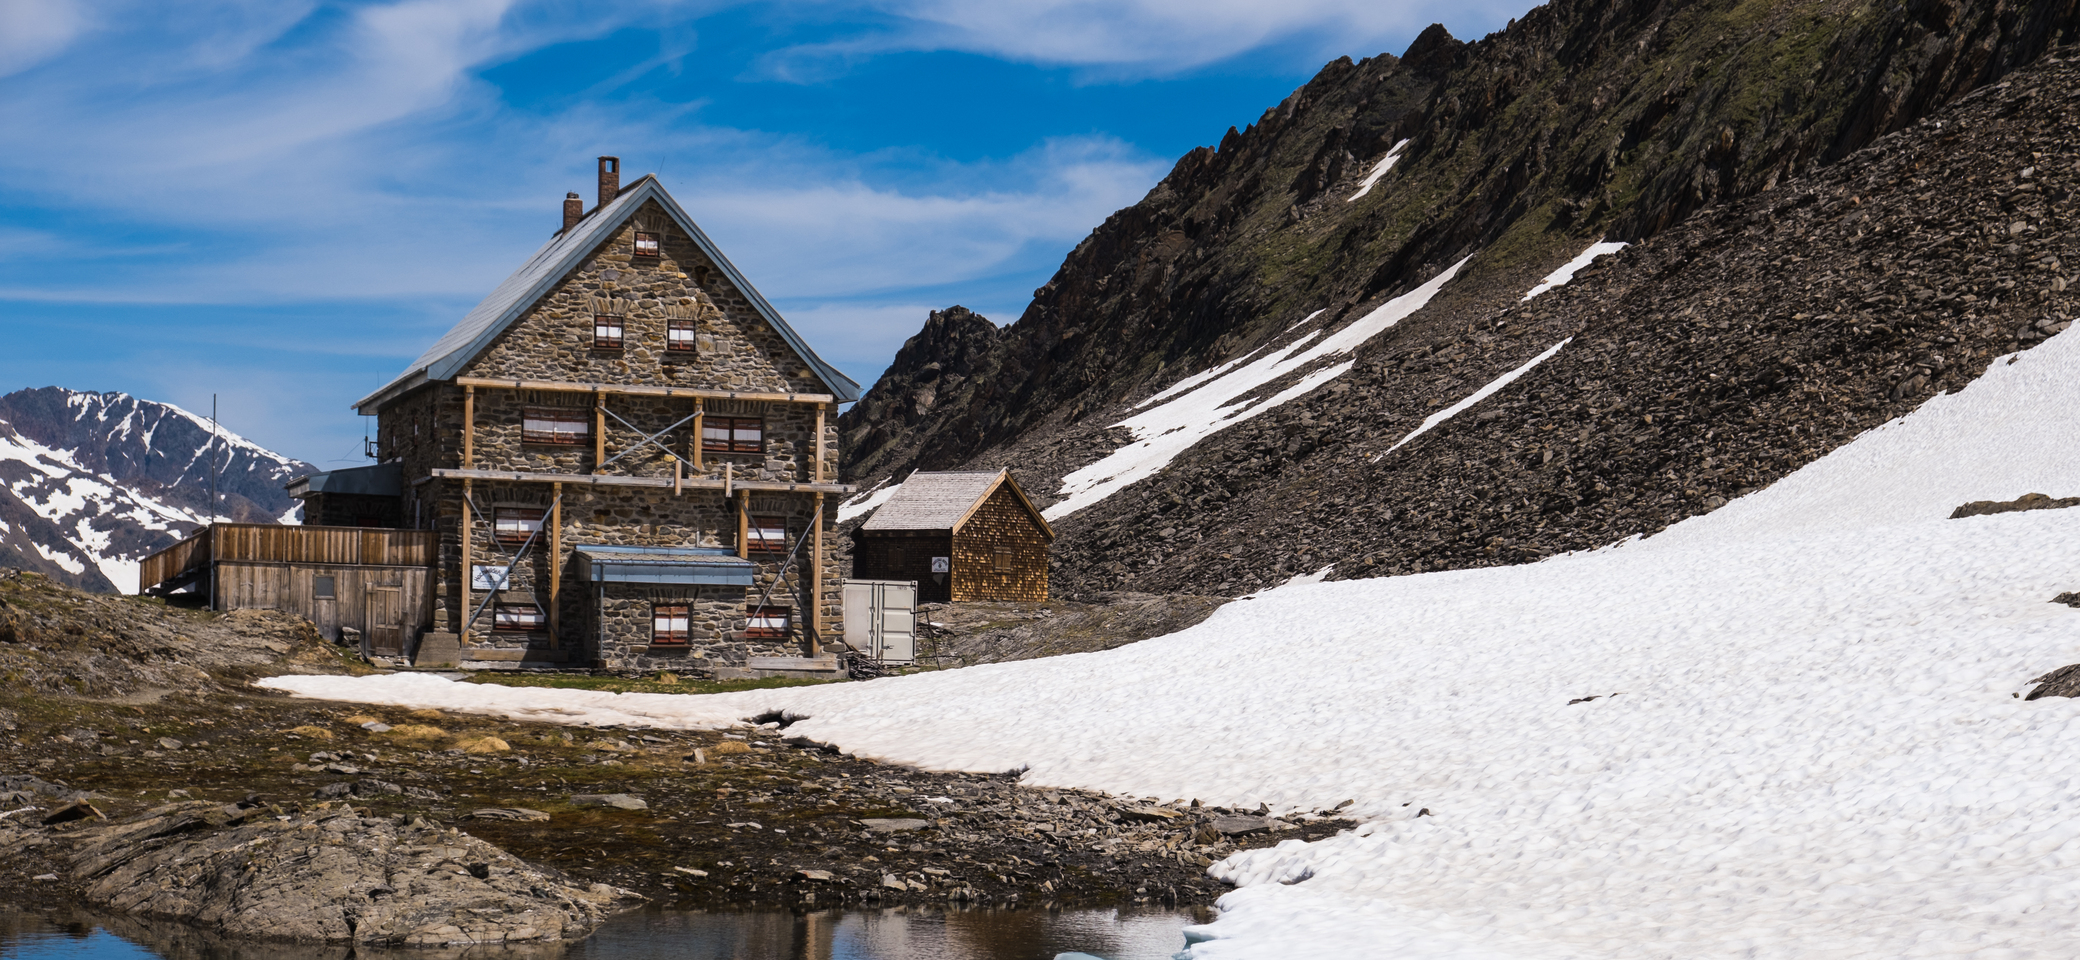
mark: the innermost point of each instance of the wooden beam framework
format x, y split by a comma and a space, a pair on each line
469, 427
599, 431
555, 564
643, 390
462, 629
816, 577
729, 484
820, 408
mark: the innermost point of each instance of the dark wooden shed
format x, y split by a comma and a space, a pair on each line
961, 536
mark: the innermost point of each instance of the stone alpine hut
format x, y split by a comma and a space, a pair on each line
625, 454
961, 536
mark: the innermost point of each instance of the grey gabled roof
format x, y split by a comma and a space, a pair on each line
539, 275
374, 480
944, 501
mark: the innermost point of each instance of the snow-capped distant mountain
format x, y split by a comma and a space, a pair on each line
90, 483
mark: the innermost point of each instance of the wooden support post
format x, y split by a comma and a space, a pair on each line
743, 523
462, 623
555, 564
469, 428
678, 477
599, 432
816, 571
818, 475
700, 415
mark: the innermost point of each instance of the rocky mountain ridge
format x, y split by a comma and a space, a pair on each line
90, 483
1582, 121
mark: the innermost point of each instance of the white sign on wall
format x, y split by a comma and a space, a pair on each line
489, 577
942, 564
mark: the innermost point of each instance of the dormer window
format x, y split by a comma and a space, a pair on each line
678, 336
646, 244
606, 332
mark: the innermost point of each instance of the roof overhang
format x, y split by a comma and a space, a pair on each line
455, 349
680, 566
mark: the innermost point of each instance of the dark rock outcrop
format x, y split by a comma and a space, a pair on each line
2062, 682
325, 875
2028, 501
1856, 234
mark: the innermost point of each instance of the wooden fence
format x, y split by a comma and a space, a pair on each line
275, 543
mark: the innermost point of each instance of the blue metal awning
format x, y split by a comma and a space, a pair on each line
695, 566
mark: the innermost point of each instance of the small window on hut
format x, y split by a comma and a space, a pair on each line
670, 623
606, 332
733, 435
646, 244
766, 623
678, 336
1000, 559
515, 524
767, 535
322, 588
517, 617
555, 425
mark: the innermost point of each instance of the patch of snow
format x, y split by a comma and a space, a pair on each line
65, 561
1803, 742
1568, 270
1305, 320
1379, 170
1318, 576
1165, 430
293, 517
865, 502
1477, 396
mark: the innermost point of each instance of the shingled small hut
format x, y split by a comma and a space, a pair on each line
961, 536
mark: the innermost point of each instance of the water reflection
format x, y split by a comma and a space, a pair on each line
902, 933
908, 933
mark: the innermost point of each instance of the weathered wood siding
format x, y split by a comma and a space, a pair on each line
291, 588
1000, 522
333, 545
174, 560
901, 556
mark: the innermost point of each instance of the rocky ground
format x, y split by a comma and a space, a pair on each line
965, 634
179, 761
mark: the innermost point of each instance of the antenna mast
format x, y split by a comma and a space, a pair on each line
215, 510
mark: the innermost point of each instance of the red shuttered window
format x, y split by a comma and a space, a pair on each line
670, 624
733, 435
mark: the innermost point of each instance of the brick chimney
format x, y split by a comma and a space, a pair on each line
609, 179
573, 210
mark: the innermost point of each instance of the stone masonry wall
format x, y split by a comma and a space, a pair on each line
631, 516
553, 341
738, 350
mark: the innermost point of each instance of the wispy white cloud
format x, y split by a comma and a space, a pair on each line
32, 31
292, 152
1137, 37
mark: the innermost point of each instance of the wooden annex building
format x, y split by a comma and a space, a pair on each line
372, 581
623, 457
961, 536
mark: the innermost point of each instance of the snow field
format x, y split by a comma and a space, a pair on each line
1812, 751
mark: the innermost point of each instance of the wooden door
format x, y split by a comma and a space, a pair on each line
385, 629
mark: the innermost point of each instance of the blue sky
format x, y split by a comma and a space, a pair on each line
284, 202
